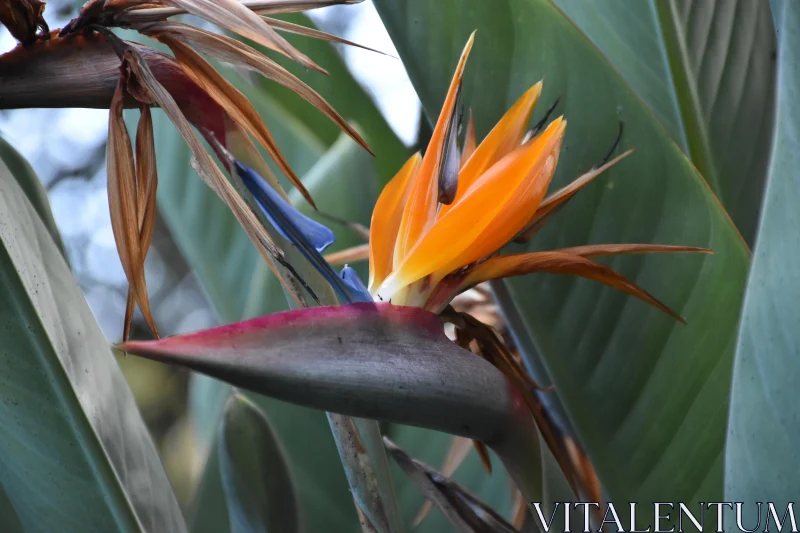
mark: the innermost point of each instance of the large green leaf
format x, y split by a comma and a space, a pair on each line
22, 171
344, 93
256, 476
707, 71
763, 431
647, 395
75, 455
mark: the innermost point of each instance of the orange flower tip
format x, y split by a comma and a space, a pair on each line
535, 91
469, 44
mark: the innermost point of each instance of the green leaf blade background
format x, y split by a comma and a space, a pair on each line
762, 453
707, 71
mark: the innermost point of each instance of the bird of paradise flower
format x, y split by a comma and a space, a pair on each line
438, 229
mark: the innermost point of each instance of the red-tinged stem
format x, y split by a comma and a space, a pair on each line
75, 71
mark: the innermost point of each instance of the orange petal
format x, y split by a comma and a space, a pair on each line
502, 140
420, 211
386, 220
494, 210
560, 263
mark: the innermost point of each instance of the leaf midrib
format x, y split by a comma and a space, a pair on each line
685, 91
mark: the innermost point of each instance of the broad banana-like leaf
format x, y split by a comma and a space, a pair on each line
707, 71
76, 455
763, 430
646, 395
21, 170
258, 482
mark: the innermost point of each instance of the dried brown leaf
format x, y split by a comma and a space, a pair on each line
207, 169
124, 208
236, 17
146, 185
232, 51
23, 18
234, 103
145, 13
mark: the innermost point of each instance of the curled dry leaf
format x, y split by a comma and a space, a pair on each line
146, 185
124, 206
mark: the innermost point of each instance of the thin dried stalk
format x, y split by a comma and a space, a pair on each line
349, 255
298, 29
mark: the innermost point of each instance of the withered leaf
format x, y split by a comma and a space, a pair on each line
124, 208
202, 162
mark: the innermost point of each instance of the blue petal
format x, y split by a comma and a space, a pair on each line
309, 236
317, 235
358, 290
